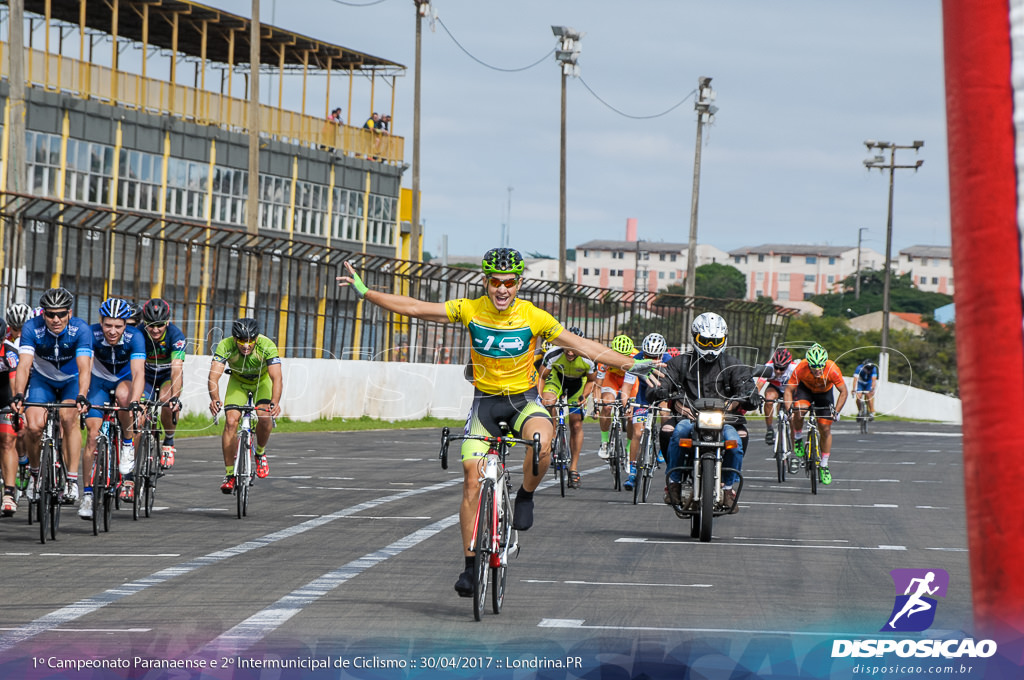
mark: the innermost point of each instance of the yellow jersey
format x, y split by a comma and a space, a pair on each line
502, 343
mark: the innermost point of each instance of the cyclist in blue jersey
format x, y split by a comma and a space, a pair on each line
54, 364
865, 378
118, 369
653, 347
165, 368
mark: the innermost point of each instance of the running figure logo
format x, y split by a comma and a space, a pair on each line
914, 608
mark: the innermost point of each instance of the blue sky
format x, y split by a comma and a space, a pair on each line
799, 86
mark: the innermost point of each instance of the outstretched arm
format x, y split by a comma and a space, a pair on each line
400, 304
594, 351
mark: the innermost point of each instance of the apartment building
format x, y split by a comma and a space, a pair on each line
634, 264
795, 272
931, 267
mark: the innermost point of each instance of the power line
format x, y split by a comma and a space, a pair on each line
622, 113
358, 4
482, 63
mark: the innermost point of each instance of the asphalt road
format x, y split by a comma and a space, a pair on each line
351, 548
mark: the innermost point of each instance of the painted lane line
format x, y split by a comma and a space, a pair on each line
95, 630
948, 549
256, 627
621, 583
772, 538
766, 545
579, 623
91, 604
885, 506
112, 555
239, 638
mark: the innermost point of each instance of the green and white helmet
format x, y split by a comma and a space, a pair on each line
503, 261
816, 356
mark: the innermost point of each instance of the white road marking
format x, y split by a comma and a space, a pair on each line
948, 549
823, 505
250, 631
109, 555
579, 623
206, 509
96, 630
89, 605
771, 538
764, 545
621, 583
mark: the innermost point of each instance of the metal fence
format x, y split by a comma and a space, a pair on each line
212, 275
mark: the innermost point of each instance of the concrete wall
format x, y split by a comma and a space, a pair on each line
325, 388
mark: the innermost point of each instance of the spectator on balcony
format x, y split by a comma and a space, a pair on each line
335, 116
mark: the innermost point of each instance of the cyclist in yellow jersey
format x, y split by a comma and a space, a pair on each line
504, 332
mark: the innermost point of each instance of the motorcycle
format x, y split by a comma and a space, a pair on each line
703, 460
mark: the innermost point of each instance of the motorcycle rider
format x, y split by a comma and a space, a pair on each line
706, 372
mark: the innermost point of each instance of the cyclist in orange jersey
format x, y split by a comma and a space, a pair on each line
811, 384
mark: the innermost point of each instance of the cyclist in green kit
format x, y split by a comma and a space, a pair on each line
255, 366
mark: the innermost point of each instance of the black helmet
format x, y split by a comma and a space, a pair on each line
245, 329
156, 311
575, 330
56, 298
3, 329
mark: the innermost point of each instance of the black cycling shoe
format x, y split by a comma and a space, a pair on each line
522, 518
466, 583
769, 437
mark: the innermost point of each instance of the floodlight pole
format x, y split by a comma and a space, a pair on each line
878, 162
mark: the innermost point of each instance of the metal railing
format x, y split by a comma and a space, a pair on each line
213, 275
122, 88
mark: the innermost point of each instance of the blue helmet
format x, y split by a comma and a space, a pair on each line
116, 308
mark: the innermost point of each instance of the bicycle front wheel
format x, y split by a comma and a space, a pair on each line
813, 458
99, 486
499, 573
242, 467
482, 547
46, 491
618, 456
780, 452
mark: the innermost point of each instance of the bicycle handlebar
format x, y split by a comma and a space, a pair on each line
447, 438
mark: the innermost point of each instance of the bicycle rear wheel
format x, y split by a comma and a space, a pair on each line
482, 547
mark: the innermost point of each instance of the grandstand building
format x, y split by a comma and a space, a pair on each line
137, 129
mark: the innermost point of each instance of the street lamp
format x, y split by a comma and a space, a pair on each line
566, 55
878, 162
705, 114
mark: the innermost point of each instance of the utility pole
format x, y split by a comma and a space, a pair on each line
705, 114
879, 162
566, 55
856, 284
252, 211
422, 10
16, 55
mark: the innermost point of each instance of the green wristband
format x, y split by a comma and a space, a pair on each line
358, 284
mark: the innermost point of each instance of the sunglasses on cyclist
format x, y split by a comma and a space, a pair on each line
711, 343
157, 325
498, 283
56, 315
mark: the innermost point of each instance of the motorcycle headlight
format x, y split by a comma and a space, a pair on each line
711, 420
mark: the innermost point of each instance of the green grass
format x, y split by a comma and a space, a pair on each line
197, 425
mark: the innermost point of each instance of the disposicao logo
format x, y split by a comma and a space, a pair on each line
915, 605
912, 612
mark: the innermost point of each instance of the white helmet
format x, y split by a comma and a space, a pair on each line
709, 333
654, 345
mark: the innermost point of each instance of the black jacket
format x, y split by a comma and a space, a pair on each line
723, 378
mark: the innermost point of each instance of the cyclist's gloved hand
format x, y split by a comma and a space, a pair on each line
353, 280
175, 404
18, 402
215, 407
83, 402
135, 406
647, 369
835, 418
